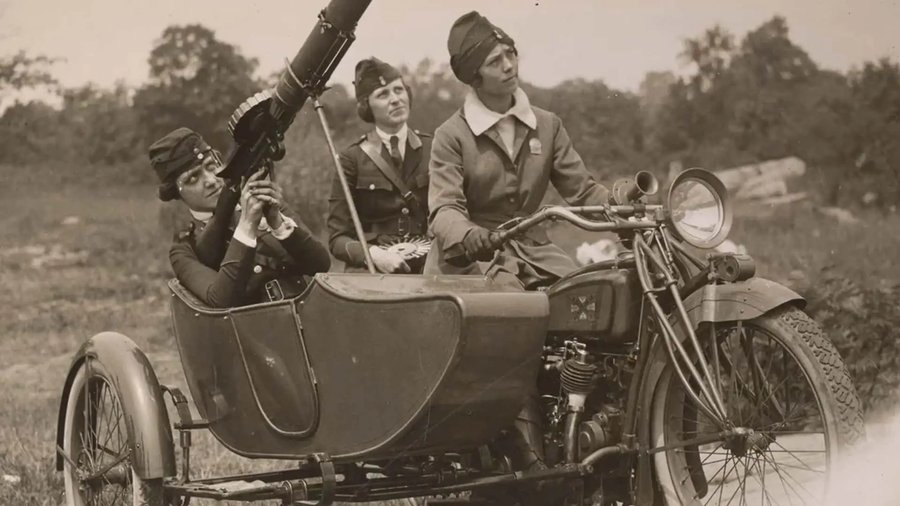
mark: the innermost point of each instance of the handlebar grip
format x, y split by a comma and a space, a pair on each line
457, 256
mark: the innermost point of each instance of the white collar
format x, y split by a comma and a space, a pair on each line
386, 137
480, 118
203, 216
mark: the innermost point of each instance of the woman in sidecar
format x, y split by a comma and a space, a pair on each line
387, 174
263, 257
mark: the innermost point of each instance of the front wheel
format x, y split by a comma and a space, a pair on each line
97, 450
787, 389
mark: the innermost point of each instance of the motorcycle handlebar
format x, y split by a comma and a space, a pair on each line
457, 256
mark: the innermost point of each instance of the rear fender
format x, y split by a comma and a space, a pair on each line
743, 300
146, 418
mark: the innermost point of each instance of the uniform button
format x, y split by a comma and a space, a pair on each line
257, 268
372, 186
512, 200
404, 211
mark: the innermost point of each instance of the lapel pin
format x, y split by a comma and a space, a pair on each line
534, 145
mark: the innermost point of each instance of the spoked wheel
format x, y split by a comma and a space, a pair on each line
793, 406
97, 449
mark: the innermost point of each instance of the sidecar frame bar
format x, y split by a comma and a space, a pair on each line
295, 485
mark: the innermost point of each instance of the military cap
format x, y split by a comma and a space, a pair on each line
172, 155
372, 74
471, 39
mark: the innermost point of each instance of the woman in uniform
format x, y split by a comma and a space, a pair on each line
387, 171
492, 161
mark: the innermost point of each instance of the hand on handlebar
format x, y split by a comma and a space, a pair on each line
480, 244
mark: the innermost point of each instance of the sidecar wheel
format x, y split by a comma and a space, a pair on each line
784, 381
96, 446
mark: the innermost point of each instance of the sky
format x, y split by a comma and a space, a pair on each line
617, 41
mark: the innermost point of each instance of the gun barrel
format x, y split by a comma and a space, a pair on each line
258, 125
318, 57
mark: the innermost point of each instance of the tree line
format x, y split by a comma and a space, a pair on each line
738, 102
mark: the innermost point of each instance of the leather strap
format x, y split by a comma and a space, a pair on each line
374, 153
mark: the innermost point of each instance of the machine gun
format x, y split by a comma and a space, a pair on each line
258, 125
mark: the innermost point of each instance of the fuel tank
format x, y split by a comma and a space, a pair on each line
601, 303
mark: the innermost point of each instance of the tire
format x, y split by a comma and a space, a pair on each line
800, 403
95, 437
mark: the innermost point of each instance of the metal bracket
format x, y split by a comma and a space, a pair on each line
185, 420
329, 481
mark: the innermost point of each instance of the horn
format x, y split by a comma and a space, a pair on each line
645, 183
628, 190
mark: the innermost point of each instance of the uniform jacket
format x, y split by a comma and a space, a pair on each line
243, 271
475, 181
383, 212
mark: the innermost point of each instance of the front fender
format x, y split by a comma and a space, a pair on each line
743, 300
135, 382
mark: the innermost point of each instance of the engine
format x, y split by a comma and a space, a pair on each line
583, 397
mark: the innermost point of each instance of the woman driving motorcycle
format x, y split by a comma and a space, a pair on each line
492, 161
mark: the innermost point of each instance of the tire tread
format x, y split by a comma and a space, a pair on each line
851, 426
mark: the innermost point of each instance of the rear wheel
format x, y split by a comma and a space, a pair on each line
97, 450
788, 390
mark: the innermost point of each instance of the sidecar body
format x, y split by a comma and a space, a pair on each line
363, 366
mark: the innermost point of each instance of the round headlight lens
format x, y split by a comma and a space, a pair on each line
698, 208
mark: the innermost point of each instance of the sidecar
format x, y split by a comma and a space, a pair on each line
362, 366
356, 368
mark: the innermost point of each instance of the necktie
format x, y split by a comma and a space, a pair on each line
395, 153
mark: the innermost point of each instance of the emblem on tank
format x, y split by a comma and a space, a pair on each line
583, 307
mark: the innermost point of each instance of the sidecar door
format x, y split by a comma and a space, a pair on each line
246, 367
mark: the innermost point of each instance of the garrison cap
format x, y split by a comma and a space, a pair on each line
471, 38
172, 155
372, 74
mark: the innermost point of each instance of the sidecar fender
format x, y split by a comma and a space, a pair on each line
134, 380
743, 300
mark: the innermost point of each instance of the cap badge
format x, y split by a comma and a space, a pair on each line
382, 81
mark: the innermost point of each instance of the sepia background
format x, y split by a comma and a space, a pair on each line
797, 104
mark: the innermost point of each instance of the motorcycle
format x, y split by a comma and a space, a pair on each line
660, 377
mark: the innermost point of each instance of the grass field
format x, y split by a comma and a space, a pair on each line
93, 258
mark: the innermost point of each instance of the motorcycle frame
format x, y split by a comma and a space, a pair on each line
656, 253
